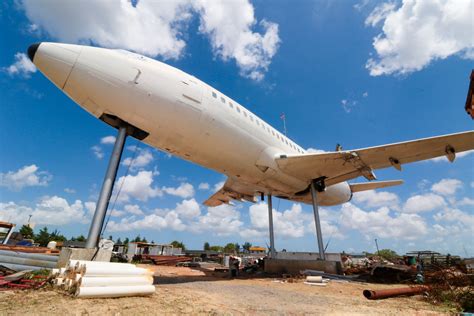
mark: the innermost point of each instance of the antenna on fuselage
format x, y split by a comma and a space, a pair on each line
283, 117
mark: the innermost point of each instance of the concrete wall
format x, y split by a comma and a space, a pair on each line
307, 256
82, 254
280, 266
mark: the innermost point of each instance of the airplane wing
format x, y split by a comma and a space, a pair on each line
340, 166
231, 190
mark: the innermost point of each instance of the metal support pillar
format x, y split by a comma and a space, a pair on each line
270, 226
315, 187
106, 191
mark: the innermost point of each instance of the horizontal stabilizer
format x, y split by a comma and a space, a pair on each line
357, 187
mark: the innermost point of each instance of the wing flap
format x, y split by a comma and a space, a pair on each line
358, 187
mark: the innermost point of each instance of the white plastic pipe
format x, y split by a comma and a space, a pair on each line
114, 291
314, 279
78, 263
115, 281
108, 271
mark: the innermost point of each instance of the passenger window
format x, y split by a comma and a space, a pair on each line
273, 133
223, 100
237, 108
231, 105
251, 118
245, 113
214, 94
258, 123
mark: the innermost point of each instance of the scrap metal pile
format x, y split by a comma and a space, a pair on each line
93, 279
18, 260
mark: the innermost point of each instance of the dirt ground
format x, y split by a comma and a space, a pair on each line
188, 291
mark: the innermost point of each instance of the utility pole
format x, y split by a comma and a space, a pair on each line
377, 245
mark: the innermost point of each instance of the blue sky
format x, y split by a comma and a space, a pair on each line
349, 72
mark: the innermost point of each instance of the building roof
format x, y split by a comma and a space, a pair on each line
256, 248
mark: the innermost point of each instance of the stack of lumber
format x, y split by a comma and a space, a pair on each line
29, 249
93, 279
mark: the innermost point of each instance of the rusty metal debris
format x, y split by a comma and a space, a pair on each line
405, 291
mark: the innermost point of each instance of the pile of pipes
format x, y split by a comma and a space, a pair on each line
94, 279
19, 261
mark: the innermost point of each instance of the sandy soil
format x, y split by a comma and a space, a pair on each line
188, 291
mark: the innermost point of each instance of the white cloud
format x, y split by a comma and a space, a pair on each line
22, 66
159, 28
142, 159
229, 25
365, 94
48, 211
222, 220
379, 13
69, 190
133, 209
315, 151
139, 186
28, 176
204, 186
348, 105
466, 202
97, 151
185, 190
381, 224
108, 140
290, 223
419, 32
424, 203
455, 215
188, 209
374, 198
446, 186
152, 221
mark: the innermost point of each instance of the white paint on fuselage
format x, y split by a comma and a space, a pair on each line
185, 117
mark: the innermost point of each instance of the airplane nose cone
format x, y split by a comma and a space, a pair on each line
32, 51
55, 60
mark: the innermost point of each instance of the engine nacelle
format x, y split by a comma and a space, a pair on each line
335, 194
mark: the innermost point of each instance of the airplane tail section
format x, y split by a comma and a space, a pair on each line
358, 187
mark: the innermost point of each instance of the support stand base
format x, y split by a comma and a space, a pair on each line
288, 266
83, 254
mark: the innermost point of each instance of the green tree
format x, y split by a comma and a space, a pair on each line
119, 241
207, 246
237, 247
246, 246
217, 248
137, 239
81, 238
230, 247
111, 238
144, 239
57, 236
388, 254
27, 232
126, 241
178, 244
43, 237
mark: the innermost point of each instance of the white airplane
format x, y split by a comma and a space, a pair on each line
179, 114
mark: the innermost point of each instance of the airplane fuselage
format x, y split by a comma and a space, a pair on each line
182, 115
